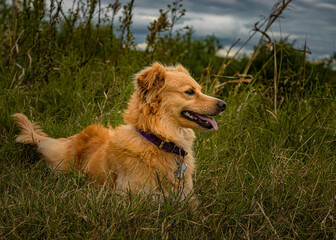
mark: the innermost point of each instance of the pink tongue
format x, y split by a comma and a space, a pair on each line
210, 120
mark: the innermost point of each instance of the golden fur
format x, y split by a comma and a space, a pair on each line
121, 157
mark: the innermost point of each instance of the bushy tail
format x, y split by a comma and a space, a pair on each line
30, 133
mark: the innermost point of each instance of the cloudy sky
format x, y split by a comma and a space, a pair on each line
313, 21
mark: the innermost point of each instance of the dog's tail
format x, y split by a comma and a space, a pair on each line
58, 153
30, 133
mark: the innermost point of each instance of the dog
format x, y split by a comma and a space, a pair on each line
154, 148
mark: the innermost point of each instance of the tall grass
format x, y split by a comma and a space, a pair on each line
264, 174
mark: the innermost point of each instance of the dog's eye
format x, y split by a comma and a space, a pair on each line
190, 92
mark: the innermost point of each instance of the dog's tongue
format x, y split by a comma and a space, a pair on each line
210, 120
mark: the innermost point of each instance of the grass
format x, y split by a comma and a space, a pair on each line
264, 174
260, 176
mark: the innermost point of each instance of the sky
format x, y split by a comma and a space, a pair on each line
310, 21
313, 21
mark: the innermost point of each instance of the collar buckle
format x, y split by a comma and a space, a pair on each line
162, 144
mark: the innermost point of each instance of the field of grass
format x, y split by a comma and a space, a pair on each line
269, 172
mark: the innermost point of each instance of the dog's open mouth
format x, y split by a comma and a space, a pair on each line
203, 121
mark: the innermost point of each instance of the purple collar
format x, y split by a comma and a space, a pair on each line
166, 146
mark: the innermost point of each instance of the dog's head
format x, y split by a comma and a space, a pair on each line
168, 97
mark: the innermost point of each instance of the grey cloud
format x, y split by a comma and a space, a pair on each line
231, 19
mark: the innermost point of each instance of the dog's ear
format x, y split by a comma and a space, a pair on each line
152, 77
180, 68
149, 83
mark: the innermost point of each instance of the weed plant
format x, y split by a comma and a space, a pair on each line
269, 172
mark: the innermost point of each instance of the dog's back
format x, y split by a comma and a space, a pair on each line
88, 142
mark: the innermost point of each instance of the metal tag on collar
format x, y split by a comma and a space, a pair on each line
181, 170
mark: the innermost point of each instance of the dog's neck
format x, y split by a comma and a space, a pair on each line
163, 145
182, 137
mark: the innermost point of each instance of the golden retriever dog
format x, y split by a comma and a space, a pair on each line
152, 151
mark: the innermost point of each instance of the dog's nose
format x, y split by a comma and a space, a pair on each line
221, 105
